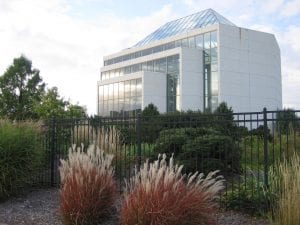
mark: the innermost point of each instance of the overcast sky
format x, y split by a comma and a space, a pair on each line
66, 39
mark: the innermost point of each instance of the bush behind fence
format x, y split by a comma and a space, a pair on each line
243, 146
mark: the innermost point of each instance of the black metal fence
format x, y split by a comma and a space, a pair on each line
243, 146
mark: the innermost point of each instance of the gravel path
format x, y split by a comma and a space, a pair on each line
40, 208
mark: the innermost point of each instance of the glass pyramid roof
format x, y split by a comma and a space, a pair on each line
198, 20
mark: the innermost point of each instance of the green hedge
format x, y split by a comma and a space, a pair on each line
21, 155
202, 149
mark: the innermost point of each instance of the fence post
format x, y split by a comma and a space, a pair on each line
139, 144
265, 148
52, 151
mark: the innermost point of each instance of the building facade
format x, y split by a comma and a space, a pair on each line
193, 63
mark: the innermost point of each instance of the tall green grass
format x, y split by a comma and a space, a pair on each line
21, 154
279, 146
287, 186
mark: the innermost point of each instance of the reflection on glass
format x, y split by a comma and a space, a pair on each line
184, 42
133, 88
121, 71
111, 91
127, 70
206, 40
162, 65
116, 106
206, 56
156, 65
144, 66
150, 65
100, 93
214, 102
177, 43
199, 41
213, 39
106, 92
191, 42
116, 90
214, 54
214, 88
127, 88
121, 89
214, 66
139, 87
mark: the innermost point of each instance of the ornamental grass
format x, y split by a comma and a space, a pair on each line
159, 194
88, 189
287, 184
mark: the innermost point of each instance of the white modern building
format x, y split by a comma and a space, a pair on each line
193, 63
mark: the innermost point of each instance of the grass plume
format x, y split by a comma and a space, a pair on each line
88, 189
159, 194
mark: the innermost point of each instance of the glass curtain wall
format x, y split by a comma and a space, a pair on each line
170, 65
120, 99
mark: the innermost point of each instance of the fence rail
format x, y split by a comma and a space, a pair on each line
243, 146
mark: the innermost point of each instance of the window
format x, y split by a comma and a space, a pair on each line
121, 89
111, 91
127, 70
158, 48
150, 65
105, 93
135, 68
170, 45
207, 41
127, 89
133, 88
213, 39
214, 54
156, 65
146, 52
139, 87
191, 42
116, 90
100, 93
184, 42
162, 65
144, 66
177, 43
137, 54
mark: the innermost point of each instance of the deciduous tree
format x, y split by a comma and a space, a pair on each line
21, 87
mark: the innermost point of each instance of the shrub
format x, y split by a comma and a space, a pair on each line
287, 186
88, 189
249, 196
158, 194
21, 155
200, 148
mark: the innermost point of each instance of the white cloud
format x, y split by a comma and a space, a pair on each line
271, 6
290, 8
292, 38
68, 51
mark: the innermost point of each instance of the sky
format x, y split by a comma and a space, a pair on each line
67, 39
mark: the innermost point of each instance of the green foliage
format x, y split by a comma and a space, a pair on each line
150, 110
21, 154
53, 106
250, 198
223, 119
76, 111
287, 120
203, 149
21, 87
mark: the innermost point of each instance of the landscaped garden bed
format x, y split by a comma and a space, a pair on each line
40, 207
